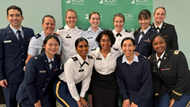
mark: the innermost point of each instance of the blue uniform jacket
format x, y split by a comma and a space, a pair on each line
13, 54
144, 47
38, 81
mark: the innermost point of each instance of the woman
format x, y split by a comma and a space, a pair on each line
104, 84
143, 34
75, 80
171, 75
41, 70
134, 77
69, 34
167, 30
35, 45
119, 32
91, 33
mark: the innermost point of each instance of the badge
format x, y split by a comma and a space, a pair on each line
81, 70
42, 71
165, 69
68, 36
7, 41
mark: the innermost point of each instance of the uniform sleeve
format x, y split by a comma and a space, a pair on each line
147, 87
182, 77
32, 48
85, 84
70, 79
2, 75
174, 41
30, 75
121, 82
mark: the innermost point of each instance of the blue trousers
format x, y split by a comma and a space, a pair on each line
62, 94
183, 102
48, 104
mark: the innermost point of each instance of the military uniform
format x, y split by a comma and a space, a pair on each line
170, 35
172, 77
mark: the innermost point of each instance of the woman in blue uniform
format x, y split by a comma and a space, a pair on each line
104, 83
75, 80
119, 32
171, 75
36, 43
41, 70
167, 30
143, 34
91, 33
69, 34
134, 77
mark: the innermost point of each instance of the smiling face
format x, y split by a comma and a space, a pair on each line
71, 19
144, 23
94, 20
128, 48
51, 47
82, 49
159, 15
105, 42
118, 24
15, 18
48, 25
159, 45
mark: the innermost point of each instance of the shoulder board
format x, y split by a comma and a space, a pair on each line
176, 52
143, 56
37, 36
149, 56
74, 58
128, 31
90, 57
1, 30
61, 28
116, 49
93, 49
80, 28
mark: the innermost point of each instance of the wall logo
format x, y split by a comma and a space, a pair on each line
108, 2
75, 2
87, 17
139, 2
128, 16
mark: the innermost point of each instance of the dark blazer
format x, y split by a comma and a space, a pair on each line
144, 47
38, 81
13, 54
170, 35
172, 76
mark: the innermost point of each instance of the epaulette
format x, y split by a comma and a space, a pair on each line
149, 56
74, 58
37, 36
93, 49
90, 57
1, 30
176, 52
61, 28
128, 31
116, 49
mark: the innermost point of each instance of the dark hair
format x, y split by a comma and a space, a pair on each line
160, 8
94, 13
119, 15
109, 34
154, 36
128, 38
143, 14
50, 16
15, 8
46, 40
80, 40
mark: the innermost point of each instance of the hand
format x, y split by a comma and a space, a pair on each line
84, 103
133, 105
126, 103
38, 104
24, 68
137, 53
79, 103
3, 83
171, 102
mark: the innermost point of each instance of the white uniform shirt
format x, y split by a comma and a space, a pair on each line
69, 36
36, 44
74, 73
118, 39
90, 35
105, 66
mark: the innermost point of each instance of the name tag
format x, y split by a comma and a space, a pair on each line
98, 58
89, 37
68, 36
7, 41
81, 70
42, 71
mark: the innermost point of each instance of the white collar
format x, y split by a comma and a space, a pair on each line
159, 26
14, 30
98, 50
135, 59
160, 56
49, 59
90, 29
146, 30
122, 31
81, 60
67, 27
43, 35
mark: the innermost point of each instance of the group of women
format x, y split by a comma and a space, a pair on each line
102, 63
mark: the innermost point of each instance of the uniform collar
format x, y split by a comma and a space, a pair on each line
42, 35
67, 27
146, 30
80, 59
111, 50
90, 29
49, 59
15, 31
159, 26
122, 31
135, 59
160, 56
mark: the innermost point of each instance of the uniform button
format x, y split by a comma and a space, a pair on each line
22, 53
22, 59
22, 47
44, 89
47, 78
